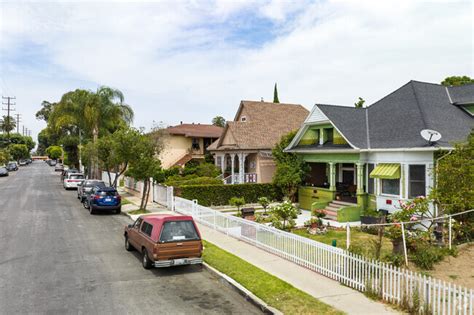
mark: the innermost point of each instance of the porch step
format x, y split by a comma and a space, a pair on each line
332, 208
330, 213
342, 203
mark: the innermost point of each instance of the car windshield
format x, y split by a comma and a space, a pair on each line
107, 193
76, 176
174, 231
94, 184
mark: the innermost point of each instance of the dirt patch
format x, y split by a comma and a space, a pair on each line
458, 270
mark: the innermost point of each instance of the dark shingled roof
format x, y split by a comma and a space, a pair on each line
396, 120
463, 94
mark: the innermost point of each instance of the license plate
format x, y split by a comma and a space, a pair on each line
179, 262
108, 199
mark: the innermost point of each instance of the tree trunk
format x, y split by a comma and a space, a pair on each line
145, 189
147, 194
95, 162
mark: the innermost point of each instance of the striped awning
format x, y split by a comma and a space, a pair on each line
386, 171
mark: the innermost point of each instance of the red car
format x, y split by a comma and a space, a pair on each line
165, 240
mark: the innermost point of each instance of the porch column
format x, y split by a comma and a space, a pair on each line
232, 158
332, 176
223, 162
360, 178
242, 158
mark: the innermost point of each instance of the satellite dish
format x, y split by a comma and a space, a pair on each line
430, 135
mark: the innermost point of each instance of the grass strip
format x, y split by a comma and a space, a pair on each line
139, 211
125, 201
274, 291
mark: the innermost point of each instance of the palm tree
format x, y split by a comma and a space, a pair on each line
92, 113
7, 124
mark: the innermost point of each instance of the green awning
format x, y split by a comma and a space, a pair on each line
386, 171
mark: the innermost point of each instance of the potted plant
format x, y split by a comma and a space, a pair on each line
370, 216
313, 223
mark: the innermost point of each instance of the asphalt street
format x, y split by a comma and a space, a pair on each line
56, 258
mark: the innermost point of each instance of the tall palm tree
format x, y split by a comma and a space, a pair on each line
7, 124
92, 113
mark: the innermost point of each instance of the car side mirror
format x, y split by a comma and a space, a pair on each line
130, 226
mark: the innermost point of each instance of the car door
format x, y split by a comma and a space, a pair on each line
133, 235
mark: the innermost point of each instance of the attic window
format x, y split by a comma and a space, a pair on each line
243, 118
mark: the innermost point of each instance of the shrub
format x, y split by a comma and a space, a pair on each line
177, 180
220, 194
283, 216
426, 256
395, 259
237, 202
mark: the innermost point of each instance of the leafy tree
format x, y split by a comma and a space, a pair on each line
283, 216
7, 124
218, 121
18, 151
54, 152
457, 80
237, 202
16, 138
45, 111
454, 189
275, 95
264, 202
290, 168
359, 103
4, 156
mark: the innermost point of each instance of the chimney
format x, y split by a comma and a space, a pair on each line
261, 99
181, 122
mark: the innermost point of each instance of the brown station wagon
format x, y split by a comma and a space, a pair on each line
165, 240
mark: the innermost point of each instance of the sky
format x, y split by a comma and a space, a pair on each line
193, 60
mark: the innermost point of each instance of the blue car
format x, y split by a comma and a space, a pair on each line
103, 199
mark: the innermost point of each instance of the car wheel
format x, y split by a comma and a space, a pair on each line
128, 247
118, 211
91, 209
85, 203
146, 262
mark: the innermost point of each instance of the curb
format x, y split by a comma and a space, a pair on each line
249, 296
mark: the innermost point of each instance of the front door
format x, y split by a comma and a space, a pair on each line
348, 177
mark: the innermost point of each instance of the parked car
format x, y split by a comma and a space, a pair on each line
103, 198
23, 163
12, 166
71, 181
59, 168
3, 171
68, 171
29, 161
84, 189
52, 163
165, 240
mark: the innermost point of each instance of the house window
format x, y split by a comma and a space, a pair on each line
195, 144
417, 181
243, 118
391, 186
329, 132
370, 181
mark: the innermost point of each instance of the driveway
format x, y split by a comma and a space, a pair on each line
56, 258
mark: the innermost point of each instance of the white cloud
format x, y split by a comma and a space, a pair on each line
185, 61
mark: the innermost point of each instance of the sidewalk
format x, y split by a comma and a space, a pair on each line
324, 289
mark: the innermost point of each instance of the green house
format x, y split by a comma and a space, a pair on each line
377, 156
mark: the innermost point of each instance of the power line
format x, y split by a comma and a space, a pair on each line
9, 104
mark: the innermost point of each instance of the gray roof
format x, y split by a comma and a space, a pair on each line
396, 120
463, 94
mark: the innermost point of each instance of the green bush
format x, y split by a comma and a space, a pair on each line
191, 180
426, 256
395, 259
218, 195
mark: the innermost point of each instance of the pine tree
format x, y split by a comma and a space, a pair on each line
275, 95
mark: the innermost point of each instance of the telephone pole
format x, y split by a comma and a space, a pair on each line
9, 109
18, 122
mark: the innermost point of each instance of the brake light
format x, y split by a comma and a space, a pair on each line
96, 197
119, 198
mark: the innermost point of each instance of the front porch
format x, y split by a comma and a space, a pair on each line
238, 168
336, 187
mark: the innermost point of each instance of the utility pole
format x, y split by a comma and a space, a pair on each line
9, 109
26, 131
23, 133
18, 123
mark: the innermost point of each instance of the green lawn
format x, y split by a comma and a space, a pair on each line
361, 240
275, 292
125, 201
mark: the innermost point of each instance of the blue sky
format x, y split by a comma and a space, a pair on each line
192, 60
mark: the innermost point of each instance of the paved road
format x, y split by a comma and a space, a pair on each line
56, 258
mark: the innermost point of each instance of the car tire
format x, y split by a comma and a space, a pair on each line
118, 210
91, 209
128, 246
146, 262
85, 204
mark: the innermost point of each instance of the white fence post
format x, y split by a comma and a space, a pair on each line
404, 245
450, 229
348, 236
193, 211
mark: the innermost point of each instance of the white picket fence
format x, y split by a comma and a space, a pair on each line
392, 284
163, 195
105, 177
131, 183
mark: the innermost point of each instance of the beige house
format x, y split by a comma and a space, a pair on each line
244, 151
185, 142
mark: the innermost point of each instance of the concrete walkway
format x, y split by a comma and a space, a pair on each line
324, 289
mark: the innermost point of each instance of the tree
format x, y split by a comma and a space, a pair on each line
7, 124
45, 111
4, 156
454, 189
457, 80
54, 152
218, 121
18, 151
275, 95
237, 202
283, 215
264, 202
290, 168
359, 103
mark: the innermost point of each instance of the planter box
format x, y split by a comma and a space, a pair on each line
369, 219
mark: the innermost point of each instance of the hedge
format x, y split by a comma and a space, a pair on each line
192, 180
218, 195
